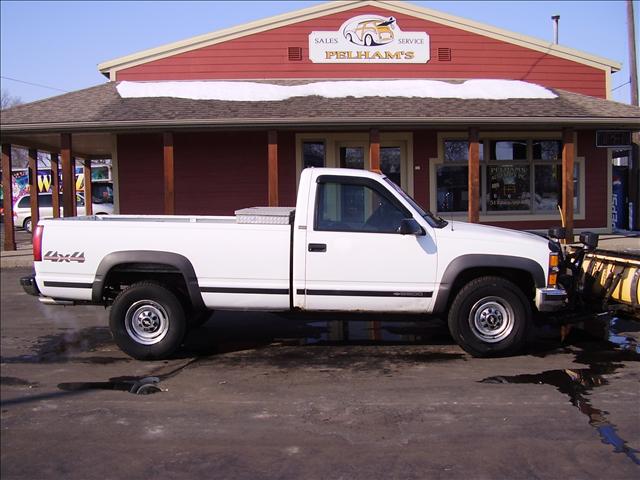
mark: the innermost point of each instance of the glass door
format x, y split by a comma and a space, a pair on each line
353, 155
391, 163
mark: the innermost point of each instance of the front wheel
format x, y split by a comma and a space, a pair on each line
490, 316
147, 321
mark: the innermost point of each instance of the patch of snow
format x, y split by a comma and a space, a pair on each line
265, 92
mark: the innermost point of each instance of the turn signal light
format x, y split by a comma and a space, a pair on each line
554, 268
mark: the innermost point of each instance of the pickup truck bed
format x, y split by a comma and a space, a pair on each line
228, 256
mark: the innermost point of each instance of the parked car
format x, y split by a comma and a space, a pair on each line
22, 209
354, 242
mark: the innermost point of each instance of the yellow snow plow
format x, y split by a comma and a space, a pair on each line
612, 277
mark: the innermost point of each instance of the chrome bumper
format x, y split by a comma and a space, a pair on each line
550, 299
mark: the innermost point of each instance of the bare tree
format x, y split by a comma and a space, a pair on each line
7, 100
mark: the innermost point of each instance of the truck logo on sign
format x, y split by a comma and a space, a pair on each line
369, 39
52, 256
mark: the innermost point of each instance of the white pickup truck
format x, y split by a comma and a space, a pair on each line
354, 242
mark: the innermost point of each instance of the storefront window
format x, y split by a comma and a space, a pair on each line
390, 163
352, 157
453, 190
509, 150
548, 185
548, 150
313, 154
521, 176
453, 176
458, 151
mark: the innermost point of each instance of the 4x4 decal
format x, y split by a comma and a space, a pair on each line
60, 257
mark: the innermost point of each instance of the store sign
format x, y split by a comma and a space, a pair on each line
369, 39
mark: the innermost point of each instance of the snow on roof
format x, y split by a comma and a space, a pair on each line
266, 92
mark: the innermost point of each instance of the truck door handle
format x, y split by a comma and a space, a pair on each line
317, 247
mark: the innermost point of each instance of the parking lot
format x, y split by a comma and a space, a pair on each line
267, 396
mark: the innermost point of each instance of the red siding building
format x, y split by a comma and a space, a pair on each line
487, 156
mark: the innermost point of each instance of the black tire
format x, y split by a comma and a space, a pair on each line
490, 316
147, 321
27, 225
350, 38
368, 40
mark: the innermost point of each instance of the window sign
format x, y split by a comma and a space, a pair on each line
369, 39
508, 187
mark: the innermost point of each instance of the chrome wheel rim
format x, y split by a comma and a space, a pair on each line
147, 322
491, 319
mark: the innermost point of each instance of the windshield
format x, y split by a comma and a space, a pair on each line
431, 219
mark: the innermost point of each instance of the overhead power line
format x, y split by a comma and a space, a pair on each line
620, 86
34, 84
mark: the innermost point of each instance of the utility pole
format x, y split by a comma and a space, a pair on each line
634, 168
633, 65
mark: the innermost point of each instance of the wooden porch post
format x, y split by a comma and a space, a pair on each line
68, 176
169, 174
474, 176
374, 149
273, 168
568, 153
55, 185
87, 187
33, 188
9, 235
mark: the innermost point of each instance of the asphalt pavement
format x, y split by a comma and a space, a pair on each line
277, 397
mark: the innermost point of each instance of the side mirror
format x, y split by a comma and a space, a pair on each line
557, 233
589, 239
409, 226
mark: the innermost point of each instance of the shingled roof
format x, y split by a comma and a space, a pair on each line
101, 108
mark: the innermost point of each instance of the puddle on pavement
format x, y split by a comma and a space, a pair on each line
603, 358
373, 332
615, 333
137, 386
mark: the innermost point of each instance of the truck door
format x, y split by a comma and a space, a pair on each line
355, 257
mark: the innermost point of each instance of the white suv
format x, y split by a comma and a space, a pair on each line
22, 209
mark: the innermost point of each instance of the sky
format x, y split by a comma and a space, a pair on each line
58, 45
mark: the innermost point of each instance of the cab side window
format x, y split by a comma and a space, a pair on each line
355, 207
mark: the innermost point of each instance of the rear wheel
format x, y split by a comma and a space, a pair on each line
490, 316
368, 40
147, 321
27, 225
